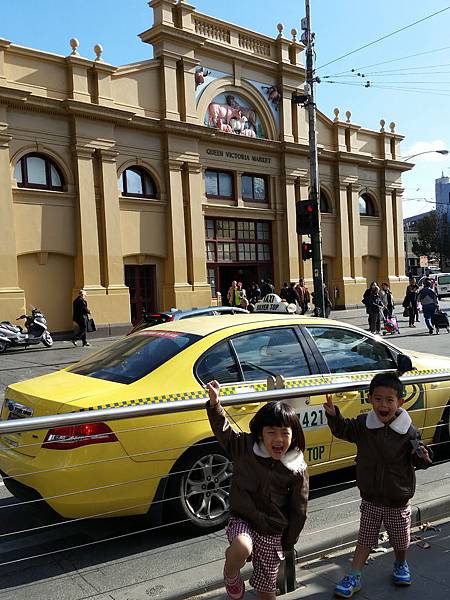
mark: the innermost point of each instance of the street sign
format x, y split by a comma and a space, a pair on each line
423, 261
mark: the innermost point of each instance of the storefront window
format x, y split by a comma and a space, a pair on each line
264, 252
209, 229
247, 251
262, 231
246, 230
211, 251
226, 228
218, 184
254, 187
226, 251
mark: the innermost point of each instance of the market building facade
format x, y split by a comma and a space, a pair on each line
156, 184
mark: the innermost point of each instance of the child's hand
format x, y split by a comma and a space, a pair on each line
424, 455
213, 388
329, 407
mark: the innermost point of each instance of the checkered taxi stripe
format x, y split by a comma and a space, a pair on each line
242, 388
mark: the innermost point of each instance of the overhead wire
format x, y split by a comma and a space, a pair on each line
384, 37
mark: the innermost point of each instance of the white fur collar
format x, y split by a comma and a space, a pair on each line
292, 460
400, 424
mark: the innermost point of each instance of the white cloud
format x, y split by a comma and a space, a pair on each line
419, 147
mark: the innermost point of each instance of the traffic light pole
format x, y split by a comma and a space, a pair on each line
316, 236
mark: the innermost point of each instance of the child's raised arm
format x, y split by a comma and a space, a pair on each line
329, 407
213, 388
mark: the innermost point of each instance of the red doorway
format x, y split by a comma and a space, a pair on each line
141, 281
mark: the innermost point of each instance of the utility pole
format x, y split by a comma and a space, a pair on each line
314, 194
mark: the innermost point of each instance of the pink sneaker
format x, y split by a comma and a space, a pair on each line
235, 587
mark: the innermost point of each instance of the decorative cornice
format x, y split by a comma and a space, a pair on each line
107, 155
96, 111
83, 151
194, 168
5, 140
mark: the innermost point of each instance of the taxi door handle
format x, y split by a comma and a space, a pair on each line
246, 406
434, 385
346, 395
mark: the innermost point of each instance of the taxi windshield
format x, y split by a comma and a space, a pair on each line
135, 356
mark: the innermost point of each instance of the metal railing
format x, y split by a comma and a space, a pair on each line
122, 413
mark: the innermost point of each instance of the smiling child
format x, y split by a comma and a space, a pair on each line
269, 492
388, 452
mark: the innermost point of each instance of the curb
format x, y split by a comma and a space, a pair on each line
421, 513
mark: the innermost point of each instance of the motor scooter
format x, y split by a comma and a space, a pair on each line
36, 331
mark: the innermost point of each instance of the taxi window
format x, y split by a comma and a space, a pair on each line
270, 352
347, 351
135, 356
218, 363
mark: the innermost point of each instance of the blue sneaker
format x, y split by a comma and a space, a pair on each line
348, 586
401, 574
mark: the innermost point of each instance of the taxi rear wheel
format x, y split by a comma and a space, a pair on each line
199, 488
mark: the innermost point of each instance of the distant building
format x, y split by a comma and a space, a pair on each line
410, 234
442, 191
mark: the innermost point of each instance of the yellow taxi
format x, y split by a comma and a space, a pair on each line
172, 461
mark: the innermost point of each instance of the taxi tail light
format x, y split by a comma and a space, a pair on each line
75, 436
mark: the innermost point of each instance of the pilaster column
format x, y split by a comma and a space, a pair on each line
88, 253
177, 292
387, 260
4, 45
78, 78
354, 220
195, 235
238, 188
188, 108
103, 73
169, 86
162, 12
286, 103
12, 298
293, 268
399, 245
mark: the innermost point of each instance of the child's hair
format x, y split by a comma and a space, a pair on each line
278, 414
388, 380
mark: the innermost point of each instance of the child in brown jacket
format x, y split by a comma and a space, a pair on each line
388, 450
269, 492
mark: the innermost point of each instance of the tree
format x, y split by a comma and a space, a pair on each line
428, 242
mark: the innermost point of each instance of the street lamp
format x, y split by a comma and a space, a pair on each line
406, 158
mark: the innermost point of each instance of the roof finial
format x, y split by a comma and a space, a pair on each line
382, 124
280, 28
98, 49
74, 43
294, 34
348, 114
392, 126
336, 114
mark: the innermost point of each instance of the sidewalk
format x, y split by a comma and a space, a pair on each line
428, 558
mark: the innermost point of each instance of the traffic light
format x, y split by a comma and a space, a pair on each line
306, 251
306, 216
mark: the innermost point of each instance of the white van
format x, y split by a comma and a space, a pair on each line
442, 284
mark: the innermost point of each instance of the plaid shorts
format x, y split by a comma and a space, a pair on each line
397, 522
266, 554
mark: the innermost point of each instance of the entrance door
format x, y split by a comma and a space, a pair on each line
141, 281
246, 274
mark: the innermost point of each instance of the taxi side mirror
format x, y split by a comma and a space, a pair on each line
404, 363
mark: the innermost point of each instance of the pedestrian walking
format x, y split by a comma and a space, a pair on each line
387, 299
266, 288
410, 301
304, 295
255, 293
269, 492
284, 291
327, 301
243, 301
388, 450
429, 300
292, 296
365, 299
233, 296
80, 315
374, 307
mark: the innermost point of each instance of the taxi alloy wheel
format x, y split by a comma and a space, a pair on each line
203, 487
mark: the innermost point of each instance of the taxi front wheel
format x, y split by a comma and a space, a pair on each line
200, 486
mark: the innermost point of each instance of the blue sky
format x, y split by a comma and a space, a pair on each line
421, 111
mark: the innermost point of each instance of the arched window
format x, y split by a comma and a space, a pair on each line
38, 172
137, 183
325, 206
366, 206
